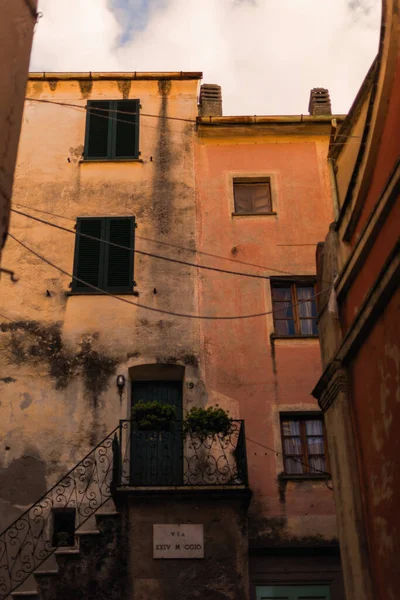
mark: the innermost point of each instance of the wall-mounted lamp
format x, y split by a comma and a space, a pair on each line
120, 383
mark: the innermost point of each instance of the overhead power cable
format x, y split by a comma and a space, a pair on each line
95, 109
151, 255
298, 460
151, 308
274, 450
142, 114
169, 245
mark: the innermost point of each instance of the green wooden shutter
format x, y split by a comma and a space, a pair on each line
126, 133
118, 263
293, 592
98, 140
89, 254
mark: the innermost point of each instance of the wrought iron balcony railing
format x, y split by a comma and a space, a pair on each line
126, 457
175, 458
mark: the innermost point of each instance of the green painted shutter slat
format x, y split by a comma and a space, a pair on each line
88, 254
118, 264
126, 128
98, 124
293, 592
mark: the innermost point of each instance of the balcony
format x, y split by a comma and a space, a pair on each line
175, 458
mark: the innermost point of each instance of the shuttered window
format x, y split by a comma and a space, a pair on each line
112, 129
99, 263
252, 196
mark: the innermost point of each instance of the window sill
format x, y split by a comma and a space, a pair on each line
131, 293
305, 477
110, 160
275, 336
264, 214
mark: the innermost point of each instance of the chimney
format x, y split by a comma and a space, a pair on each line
210, 101
320, 102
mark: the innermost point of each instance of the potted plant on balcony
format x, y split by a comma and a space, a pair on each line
207, 422
153, 416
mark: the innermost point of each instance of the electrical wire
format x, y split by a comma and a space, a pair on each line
274, 450
292, 457
149, 254
91, 110
169, 245
159, 310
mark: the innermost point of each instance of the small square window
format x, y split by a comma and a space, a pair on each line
104, 251
294, 308
252, 196
112, 130
304, 445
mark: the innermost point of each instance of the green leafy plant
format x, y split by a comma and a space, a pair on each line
208, 422
153, 416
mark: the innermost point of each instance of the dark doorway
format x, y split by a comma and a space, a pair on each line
157, 456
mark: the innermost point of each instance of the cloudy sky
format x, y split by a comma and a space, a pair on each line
266, 54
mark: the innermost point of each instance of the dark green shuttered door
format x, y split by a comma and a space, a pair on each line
293, 592
157, 457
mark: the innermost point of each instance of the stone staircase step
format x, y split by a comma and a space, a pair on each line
25, 595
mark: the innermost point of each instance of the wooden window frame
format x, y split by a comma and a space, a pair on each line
103, 260
249, 181
304, 458
293, 284
112, 129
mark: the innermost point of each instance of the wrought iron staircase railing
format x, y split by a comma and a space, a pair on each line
126, 457
27, 542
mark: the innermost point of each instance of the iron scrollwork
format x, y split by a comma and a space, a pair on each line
126, 457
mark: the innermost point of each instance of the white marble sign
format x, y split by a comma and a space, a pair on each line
178, 541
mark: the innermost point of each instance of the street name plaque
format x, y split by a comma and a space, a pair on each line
178, 541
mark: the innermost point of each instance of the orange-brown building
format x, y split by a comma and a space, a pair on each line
263, 200
360, 327
114, 218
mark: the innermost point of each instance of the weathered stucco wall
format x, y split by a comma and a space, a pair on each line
223, 572
246, 371
60, 353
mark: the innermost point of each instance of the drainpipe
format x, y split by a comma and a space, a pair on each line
335, 195
332, 172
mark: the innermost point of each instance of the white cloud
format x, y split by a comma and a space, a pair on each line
266, 54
